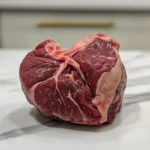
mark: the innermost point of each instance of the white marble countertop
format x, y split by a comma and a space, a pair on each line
21, 127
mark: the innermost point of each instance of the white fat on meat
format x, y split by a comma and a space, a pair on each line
55, 77
106, 89
53, 49
75, 103
71, 77
61, 117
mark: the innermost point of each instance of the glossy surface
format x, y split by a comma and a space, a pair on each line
20, 124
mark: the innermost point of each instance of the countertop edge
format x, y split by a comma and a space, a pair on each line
102, 8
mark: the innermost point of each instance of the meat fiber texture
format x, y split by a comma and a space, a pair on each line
83, 85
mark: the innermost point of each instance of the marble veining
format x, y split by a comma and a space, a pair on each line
30, 129
19, 124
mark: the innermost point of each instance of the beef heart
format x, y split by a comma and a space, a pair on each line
83, 85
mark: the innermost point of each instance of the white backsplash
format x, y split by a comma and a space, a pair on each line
128, 4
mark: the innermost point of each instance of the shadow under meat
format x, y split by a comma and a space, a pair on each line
129, 114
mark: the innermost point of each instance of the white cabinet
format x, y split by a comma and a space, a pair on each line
19, 29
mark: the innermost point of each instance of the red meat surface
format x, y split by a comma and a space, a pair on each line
83, 85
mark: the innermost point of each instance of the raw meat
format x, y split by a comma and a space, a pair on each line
83, 85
